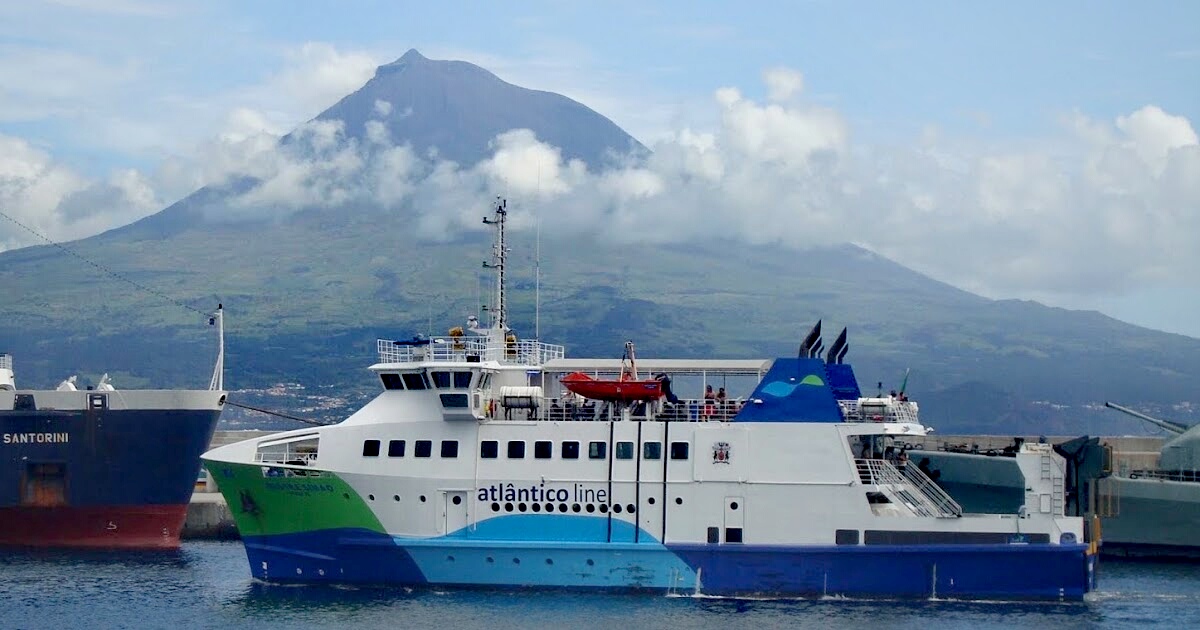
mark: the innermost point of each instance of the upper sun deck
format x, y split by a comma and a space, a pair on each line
468, 350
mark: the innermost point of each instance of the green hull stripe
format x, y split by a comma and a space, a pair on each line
265, 502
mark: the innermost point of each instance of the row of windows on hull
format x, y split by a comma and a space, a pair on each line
515, 449
418, 380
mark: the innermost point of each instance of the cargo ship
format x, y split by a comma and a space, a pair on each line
100, 466
475, 466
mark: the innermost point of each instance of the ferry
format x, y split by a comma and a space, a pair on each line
98, 466
476, 467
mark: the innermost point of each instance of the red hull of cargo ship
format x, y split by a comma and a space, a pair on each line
93, 527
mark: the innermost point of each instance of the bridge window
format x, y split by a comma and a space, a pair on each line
454, 401
462, 380
424, 448
679, 450
543, 449
449, 448
652, 450
570, 450
370, 448
415, 380
391, 381
489, 449
597, 450
624, 450
441, 380
396, 448
516, 449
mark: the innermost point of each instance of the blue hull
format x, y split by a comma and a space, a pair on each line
121, 457
1050, 572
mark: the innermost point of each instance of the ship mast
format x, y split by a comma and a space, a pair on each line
218, 378
499, 256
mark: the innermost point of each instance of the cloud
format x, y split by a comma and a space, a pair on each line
1102, 206
318, 74
783, 83
60, 204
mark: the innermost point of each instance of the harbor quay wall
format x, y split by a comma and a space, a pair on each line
209, 518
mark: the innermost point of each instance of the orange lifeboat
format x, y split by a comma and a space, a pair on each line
613, 390
625, 388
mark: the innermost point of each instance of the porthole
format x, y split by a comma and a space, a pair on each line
733, 506
650, 500
490, 560
617, 508
495, 507
395, 497
422, 498
576, 508
590, 508
508, 507
604, 508
591, 563
549, 507
562, 507
520, 507
678, 500
345, 495
516, 561
370, 497
630, 508
549, 561
457, 500
536, 507
449, 558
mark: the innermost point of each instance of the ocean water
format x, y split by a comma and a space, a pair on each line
207, 585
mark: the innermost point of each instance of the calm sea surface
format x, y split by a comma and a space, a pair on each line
206, 585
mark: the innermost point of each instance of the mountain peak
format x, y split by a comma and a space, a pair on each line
457, 109
412, 56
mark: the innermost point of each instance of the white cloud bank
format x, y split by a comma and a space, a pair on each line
1104, 207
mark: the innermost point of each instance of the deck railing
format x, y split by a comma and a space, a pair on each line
5, 361
521, 352
895, 411
567, 409
1167, 475
284, 456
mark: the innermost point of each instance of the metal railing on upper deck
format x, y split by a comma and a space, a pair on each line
686, 410
520, 352
894, 410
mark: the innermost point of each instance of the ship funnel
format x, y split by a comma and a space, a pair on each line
7, 382
835, 350
808, 347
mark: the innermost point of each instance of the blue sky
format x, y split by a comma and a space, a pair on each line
122, 102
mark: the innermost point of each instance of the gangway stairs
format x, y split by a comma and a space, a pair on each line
909, 486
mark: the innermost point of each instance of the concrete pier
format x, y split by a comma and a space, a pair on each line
208, 518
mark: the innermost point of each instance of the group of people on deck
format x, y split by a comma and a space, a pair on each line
718, 404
